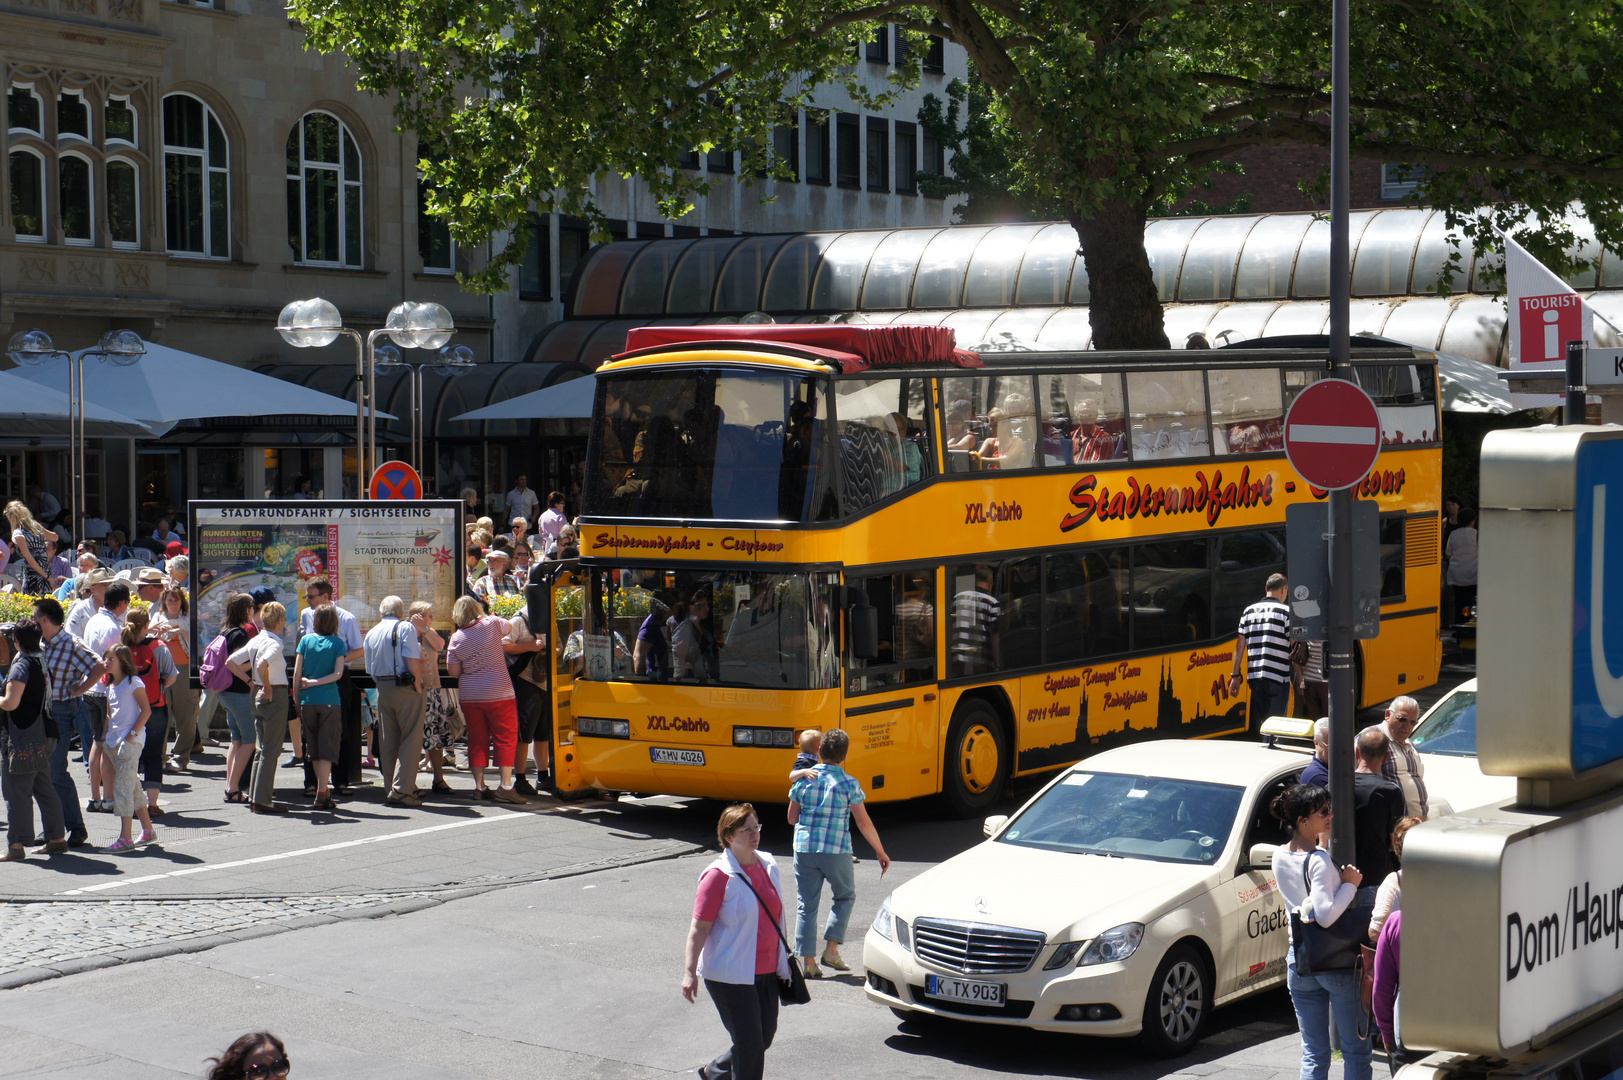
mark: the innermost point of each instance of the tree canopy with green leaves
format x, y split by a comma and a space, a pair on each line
1103, 110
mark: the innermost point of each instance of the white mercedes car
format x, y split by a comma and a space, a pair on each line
1131, 896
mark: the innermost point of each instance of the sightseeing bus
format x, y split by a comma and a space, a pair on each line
980, 566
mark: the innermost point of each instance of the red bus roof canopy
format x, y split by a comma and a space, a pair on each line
854, 347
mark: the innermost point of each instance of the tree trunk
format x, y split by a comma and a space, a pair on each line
1123, 308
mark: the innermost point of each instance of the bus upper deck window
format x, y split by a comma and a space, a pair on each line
1168, 414
1248, 413
1083, 418
990, 422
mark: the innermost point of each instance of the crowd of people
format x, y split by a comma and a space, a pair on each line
103, 662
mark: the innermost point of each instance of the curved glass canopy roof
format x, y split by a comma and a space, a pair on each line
1242, 276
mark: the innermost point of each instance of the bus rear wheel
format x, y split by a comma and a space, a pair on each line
977, 759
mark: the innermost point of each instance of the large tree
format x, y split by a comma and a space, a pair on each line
1107, 108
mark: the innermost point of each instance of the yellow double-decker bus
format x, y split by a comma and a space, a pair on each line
980, 567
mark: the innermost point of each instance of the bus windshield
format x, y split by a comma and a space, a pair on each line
726, 627
717, 444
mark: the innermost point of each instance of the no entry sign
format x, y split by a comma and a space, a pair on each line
1333, 434
396, 480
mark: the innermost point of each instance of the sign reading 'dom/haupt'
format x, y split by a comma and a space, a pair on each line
1511, 931
367, 550
1550, 636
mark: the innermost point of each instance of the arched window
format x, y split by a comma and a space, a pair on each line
119, 122
323, 192
23, 110
72, 116
123, 203
28, 194
75, 199
196, 179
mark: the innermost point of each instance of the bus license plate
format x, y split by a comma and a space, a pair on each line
979, 993
665, 756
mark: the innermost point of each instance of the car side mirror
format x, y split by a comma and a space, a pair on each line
992, 824
1260, 857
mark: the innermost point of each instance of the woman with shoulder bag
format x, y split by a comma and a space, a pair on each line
1311, 885
29, 737
736, 945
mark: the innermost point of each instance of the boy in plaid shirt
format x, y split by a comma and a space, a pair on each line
821, 807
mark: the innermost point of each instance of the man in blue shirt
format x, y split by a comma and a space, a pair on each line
1317, 772
821, 807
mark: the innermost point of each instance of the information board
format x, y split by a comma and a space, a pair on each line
367, 550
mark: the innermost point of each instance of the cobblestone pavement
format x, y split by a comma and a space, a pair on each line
52, 936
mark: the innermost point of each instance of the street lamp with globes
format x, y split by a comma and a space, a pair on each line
118, 347
411, 324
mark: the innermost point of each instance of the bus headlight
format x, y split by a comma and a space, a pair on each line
763, 736
603, 729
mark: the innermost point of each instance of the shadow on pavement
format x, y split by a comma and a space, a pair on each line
1231, 1030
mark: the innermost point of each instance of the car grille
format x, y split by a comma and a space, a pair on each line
975, 948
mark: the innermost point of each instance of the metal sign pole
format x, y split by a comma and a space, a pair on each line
1340, 646
1575, 406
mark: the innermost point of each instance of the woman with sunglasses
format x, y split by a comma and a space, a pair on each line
259, 1055
1310, 883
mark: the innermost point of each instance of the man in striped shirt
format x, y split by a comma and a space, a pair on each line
1265, 648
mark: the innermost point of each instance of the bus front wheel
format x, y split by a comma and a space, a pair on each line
977, 759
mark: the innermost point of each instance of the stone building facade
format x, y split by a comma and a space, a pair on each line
184, 169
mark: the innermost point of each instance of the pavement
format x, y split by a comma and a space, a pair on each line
575, 977
468, 939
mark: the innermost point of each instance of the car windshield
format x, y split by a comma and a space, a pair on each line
1451, 727
1134, 817
698, 444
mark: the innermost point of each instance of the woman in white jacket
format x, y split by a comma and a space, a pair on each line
735, 946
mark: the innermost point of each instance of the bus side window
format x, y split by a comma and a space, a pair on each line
1168, 414
1020, 591
1245, 560
1172, 593
906, 607
883, 445
1248, 413
1082, 418
1085, 615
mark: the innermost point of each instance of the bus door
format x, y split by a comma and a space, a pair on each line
566, 597
891, 708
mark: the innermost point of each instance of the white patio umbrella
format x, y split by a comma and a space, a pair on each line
27, 408
168, 385
565, 400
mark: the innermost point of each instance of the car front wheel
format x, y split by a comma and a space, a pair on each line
1179, 1000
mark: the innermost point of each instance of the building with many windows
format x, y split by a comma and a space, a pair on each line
184, 168
853, 170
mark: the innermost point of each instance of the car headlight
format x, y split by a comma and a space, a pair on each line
1117, 943
883, 924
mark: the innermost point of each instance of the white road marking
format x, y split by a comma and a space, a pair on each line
205, 867
1333, 433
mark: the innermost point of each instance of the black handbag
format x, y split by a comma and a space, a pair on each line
793, 990
1322, 949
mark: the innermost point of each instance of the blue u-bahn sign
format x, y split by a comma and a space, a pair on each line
1550, 602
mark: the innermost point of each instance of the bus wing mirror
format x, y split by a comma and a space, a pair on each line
538, 606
